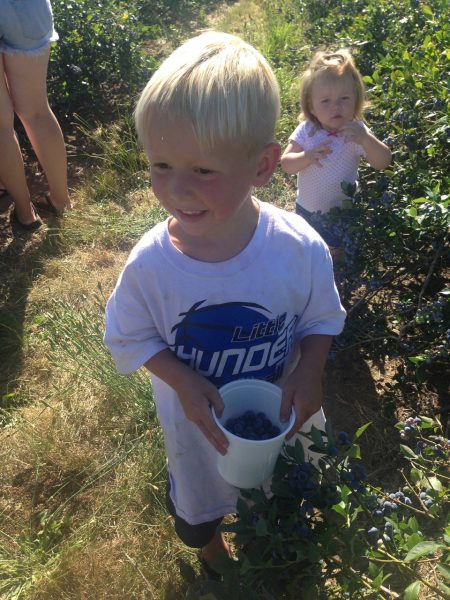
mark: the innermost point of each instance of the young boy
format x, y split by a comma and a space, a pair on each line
227, 287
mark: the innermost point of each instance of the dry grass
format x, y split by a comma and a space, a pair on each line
82, 467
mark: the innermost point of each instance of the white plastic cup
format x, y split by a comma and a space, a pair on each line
248, 463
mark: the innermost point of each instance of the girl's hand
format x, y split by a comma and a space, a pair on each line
353, 132
317, 154
378, 155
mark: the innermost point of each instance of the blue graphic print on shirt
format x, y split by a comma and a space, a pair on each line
234, 340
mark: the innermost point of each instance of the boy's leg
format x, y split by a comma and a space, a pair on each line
215, 550
203, 536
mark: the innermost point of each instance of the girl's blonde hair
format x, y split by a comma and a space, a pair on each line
331, 64
221, 85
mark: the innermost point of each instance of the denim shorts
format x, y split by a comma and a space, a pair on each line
325, 233
26, 26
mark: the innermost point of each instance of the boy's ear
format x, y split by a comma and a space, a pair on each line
267, 163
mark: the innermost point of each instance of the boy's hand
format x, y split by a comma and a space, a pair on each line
195, 392
197, 395
304, 393
303, 387
354, 132
317, 154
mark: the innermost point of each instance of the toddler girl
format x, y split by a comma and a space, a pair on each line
325, 149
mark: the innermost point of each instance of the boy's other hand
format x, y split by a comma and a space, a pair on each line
197, 395
305, 395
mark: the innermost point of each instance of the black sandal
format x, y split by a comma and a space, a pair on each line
208, 572
47, 205
33, 226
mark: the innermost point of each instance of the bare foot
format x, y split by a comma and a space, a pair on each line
215, 550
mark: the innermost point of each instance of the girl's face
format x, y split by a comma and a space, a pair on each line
333, 100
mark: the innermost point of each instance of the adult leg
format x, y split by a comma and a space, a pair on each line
12, 171
27, 82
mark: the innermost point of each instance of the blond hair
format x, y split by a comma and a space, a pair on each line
331, 64
221, 85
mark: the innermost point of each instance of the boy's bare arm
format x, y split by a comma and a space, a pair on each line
303, 387
295, 159
195, 392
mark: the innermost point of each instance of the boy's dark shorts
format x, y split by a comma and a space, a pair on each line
313, 219
194, 536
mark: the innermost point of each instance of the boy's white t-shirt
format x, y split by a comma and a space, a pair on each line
239, 318
319, 188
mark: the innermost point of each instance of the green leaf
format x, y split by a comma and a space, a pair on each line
377, 582
354, 451
261, 528
340, 509
406, 451
416, 475
421, 549
435, 483
444, 570
412, 591
299, 452
361, 430
243, 509
427, 10
245, 565
329, 432
374, 570
316, 437
444, 588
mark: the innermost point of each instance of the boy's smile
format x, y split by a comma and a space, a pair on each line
207, 192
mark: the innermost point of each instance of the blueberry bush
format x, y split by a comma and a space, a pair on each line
98, 62
394, 279
108, 49
328, 531
334, 530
